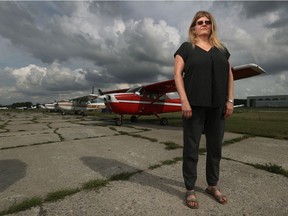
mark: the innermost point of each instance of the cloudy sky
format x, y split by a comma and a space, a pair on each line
58, 50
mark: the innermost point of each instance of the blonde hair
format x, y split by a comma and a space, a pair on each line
214, 40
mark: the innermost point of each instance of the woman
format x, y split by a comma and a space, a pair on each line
204, 81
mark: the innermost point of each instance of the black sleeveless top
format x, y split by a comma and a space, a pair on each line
206, 75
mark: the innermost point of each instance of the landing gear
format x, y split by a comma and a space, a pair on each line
163, 121
133, 119
119, 121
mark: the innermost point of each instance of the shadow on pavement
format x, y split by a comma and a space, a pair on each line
11, 171
108, 167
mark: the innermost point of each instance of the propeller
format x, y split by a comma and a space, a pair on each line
100, 92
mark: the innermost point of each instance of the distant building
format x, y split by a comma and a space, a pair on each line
268, 101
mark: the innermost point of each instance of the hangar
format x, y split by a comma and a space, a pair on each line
268, 101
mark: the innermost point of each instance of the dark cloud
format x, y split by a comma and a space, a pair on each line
18, 26
111, 8
253, 9
282, 22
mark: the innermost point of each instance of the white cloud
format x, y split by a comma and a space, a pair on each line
34, 81
262, 85
28, 77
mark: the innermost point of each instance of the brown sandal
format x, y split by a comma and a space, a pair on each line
222, 199
189, 199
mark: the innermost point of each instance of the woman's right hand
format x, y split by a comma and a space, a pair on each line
186, 110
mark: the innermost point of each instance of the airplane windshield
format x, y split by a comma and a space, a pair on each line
133, 90
97, 100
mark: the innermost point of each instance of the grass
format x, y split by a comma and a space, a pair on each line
154, 166
95, 184
235, 140
61, 194
272, 123
166, 162
123, 176
171, 145
273, 168
26, 204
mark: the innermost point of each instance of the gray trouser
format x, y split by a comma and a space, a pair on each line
211, 121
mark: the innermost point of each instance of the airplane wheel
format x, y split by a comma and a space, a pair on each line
133, 119
164, 121
118, 122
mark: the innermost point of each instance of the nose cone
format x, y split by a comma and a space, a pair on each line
102, 97
105, 98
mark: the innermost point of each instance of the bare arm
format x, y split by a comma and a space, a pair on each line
229, 105
178, 69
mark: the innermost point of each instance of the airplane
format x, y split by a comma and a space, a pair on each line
81, 104
152, 99
48, 106
21, 108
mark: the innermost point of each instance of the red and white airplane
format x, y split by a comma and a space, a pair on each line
152, 99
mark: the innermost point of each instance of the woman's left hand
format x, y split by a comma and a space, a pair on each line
229, 109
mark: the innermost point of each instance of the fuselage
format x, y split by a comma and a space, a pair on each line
134, 104
50, 106
72, 105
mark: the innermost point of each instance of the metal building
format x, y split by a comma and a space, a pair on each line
268, 101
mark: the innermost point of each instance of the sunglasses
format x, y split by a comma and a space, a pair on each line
207, 22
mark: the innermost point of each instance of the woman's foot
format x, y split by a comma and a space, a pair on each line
215, 192
191, 200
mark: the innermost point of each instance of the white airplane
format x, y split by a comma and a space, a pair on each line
49, 106
21, 108
81, 104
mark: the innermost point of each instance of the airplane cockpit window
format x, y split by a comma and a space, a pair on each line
152, 95
164, 97
136, 89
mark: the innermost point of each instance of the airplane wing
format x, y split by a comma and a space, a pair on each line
239, 72
247, 70
86, 97
161, 87
113, 91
